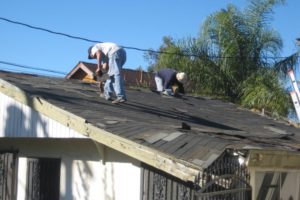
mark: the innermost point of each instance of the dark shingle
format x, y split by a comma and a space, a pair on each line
147, 118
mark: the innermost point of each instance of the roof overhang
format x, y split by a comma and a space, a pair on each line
179, 168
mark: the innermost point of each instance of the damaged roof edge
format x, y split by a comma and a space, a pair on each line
274, 160
179, 168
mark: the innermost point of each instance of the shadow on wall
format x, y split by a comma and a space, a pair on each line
85, 173
22, 121
23, 126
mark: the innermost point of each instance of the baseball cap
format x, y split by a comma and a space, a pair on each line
181, 77
91, 51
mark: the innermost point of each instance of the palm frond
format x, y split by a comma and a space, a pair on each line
289, 62
259, 12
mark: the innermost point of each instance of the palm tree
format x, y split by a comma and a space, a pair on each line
263, 91
235, 57
242, 42
246, 49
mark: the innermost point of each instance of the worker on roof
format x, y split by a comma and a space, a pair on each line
115, 58
169, 81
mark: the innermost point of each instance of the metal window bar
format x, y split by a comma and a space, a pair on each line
43, 178
8, 175
157, 185
225, 178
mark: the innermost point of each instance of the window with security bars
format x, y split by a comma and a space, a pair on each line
157, 185
8, 175
43, 178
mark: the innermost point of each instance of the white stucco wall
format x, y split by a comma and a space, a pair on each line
19, 120
87, 172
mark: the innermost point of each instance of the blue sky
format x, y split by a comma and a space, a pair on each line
134, 23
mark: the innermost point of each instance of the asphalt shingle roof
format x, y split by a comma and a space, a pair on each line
158, 122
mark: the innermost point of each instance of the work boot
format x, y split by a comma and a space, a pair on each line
119, 100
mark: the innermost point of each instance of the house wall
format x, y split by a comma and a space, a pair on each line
275, 184
89, 171
19, 120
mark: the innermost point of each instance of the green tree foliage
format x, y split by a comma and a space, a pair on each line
234, 56
169, 54
242, 42
263, 91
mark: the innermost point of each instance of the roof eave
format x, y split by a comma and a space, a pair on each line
273, 160
179, 168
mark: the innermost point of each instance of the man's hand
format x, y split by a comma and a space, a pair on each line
104, 66
98, 72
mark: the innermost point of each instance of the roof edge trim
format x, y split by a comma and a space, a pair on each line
274, 159
179, 168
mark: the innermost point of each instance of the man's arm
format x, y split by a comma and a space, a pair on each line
105, 65
180, 87
99, 64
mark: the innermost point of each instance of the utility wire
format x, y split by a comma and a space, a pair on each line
126, 47
28, 72
94, 41
34, 68
46, 30
73, 37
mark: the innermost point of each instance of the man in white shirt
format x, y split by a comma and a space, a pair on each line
115, 57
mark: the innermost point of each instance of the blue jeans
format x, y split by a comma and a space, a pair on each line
115, 83
159, 83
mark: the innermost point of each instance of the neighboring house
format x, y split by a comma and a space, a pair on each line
85, 71
60, 140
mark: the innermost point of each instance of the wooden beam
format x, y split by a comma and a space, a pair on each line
274, 160
179, 168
